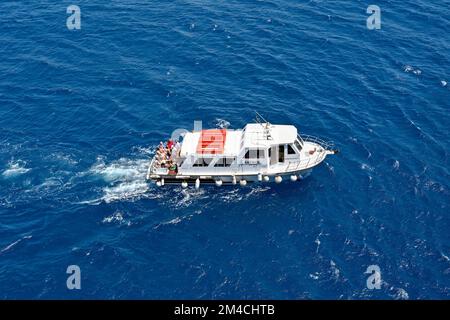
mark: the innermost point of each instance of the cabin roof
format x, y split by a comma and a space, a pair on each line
263, 135
228, 142
211, 142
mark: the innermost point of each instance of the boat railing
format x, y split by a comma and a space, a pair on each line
327, 145
311, 161
153, 169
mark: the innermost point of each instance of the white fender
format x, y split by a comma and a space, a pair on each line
266, 178
162, 181
197, 183
259, 177
158, 183
218, 183
234, 180
294, 178
184, 184
278, 179
243, 182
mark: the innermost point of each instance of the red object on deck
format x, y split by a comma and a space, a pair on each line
212, 141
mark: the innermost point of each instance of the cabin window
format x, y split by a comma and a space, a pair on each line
290, 149
202, 162
297, 144
281, 153
224, 162
255, 154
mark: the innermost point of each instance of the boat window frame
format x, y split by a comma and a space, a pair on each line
298, 145
205, 161
282, 153
258, 153
223, 162
290, 147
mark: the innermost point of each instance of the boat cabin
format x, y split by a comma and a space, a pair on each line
256, 146
259, 152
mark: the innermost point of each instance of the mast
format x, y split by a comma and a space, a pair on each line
265, 124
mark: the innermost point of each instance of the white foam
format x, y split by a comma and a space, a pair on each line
317, 241
125, 177
8, 247
62, 157
257, 190
123, 169
237, 194
125, 191
314, 276
396, 164
222, 124
15, 168
409, 69
175, 221
188, 197
334, 269
148, 151
49, 183
366, 167
116, 217
401, 294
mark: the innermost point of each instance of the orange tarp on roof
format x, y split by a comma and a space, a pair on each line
212, 141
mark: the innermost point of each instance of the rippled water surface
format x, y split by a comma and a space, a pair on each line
80, 112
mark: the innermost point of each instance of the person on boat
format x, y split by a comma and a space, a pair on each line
170, 144
160, 147
176, 148
160, 154
172, 168
164, 163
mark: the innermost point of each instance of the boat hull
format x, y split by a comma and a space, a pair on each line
228, 180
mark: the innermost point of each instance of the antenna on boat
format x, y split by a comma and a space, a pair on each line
260, 119
265, 124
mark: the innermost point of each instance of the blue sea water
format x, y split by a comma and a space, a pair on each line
81, 111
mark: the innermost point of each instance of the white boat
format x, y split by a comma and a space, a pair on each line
260, 152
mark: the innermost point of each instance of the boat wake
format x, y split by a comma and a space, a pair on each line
15, 168
125, 180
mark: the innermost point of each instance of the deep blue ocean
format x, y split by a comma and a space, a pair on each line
82, 110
